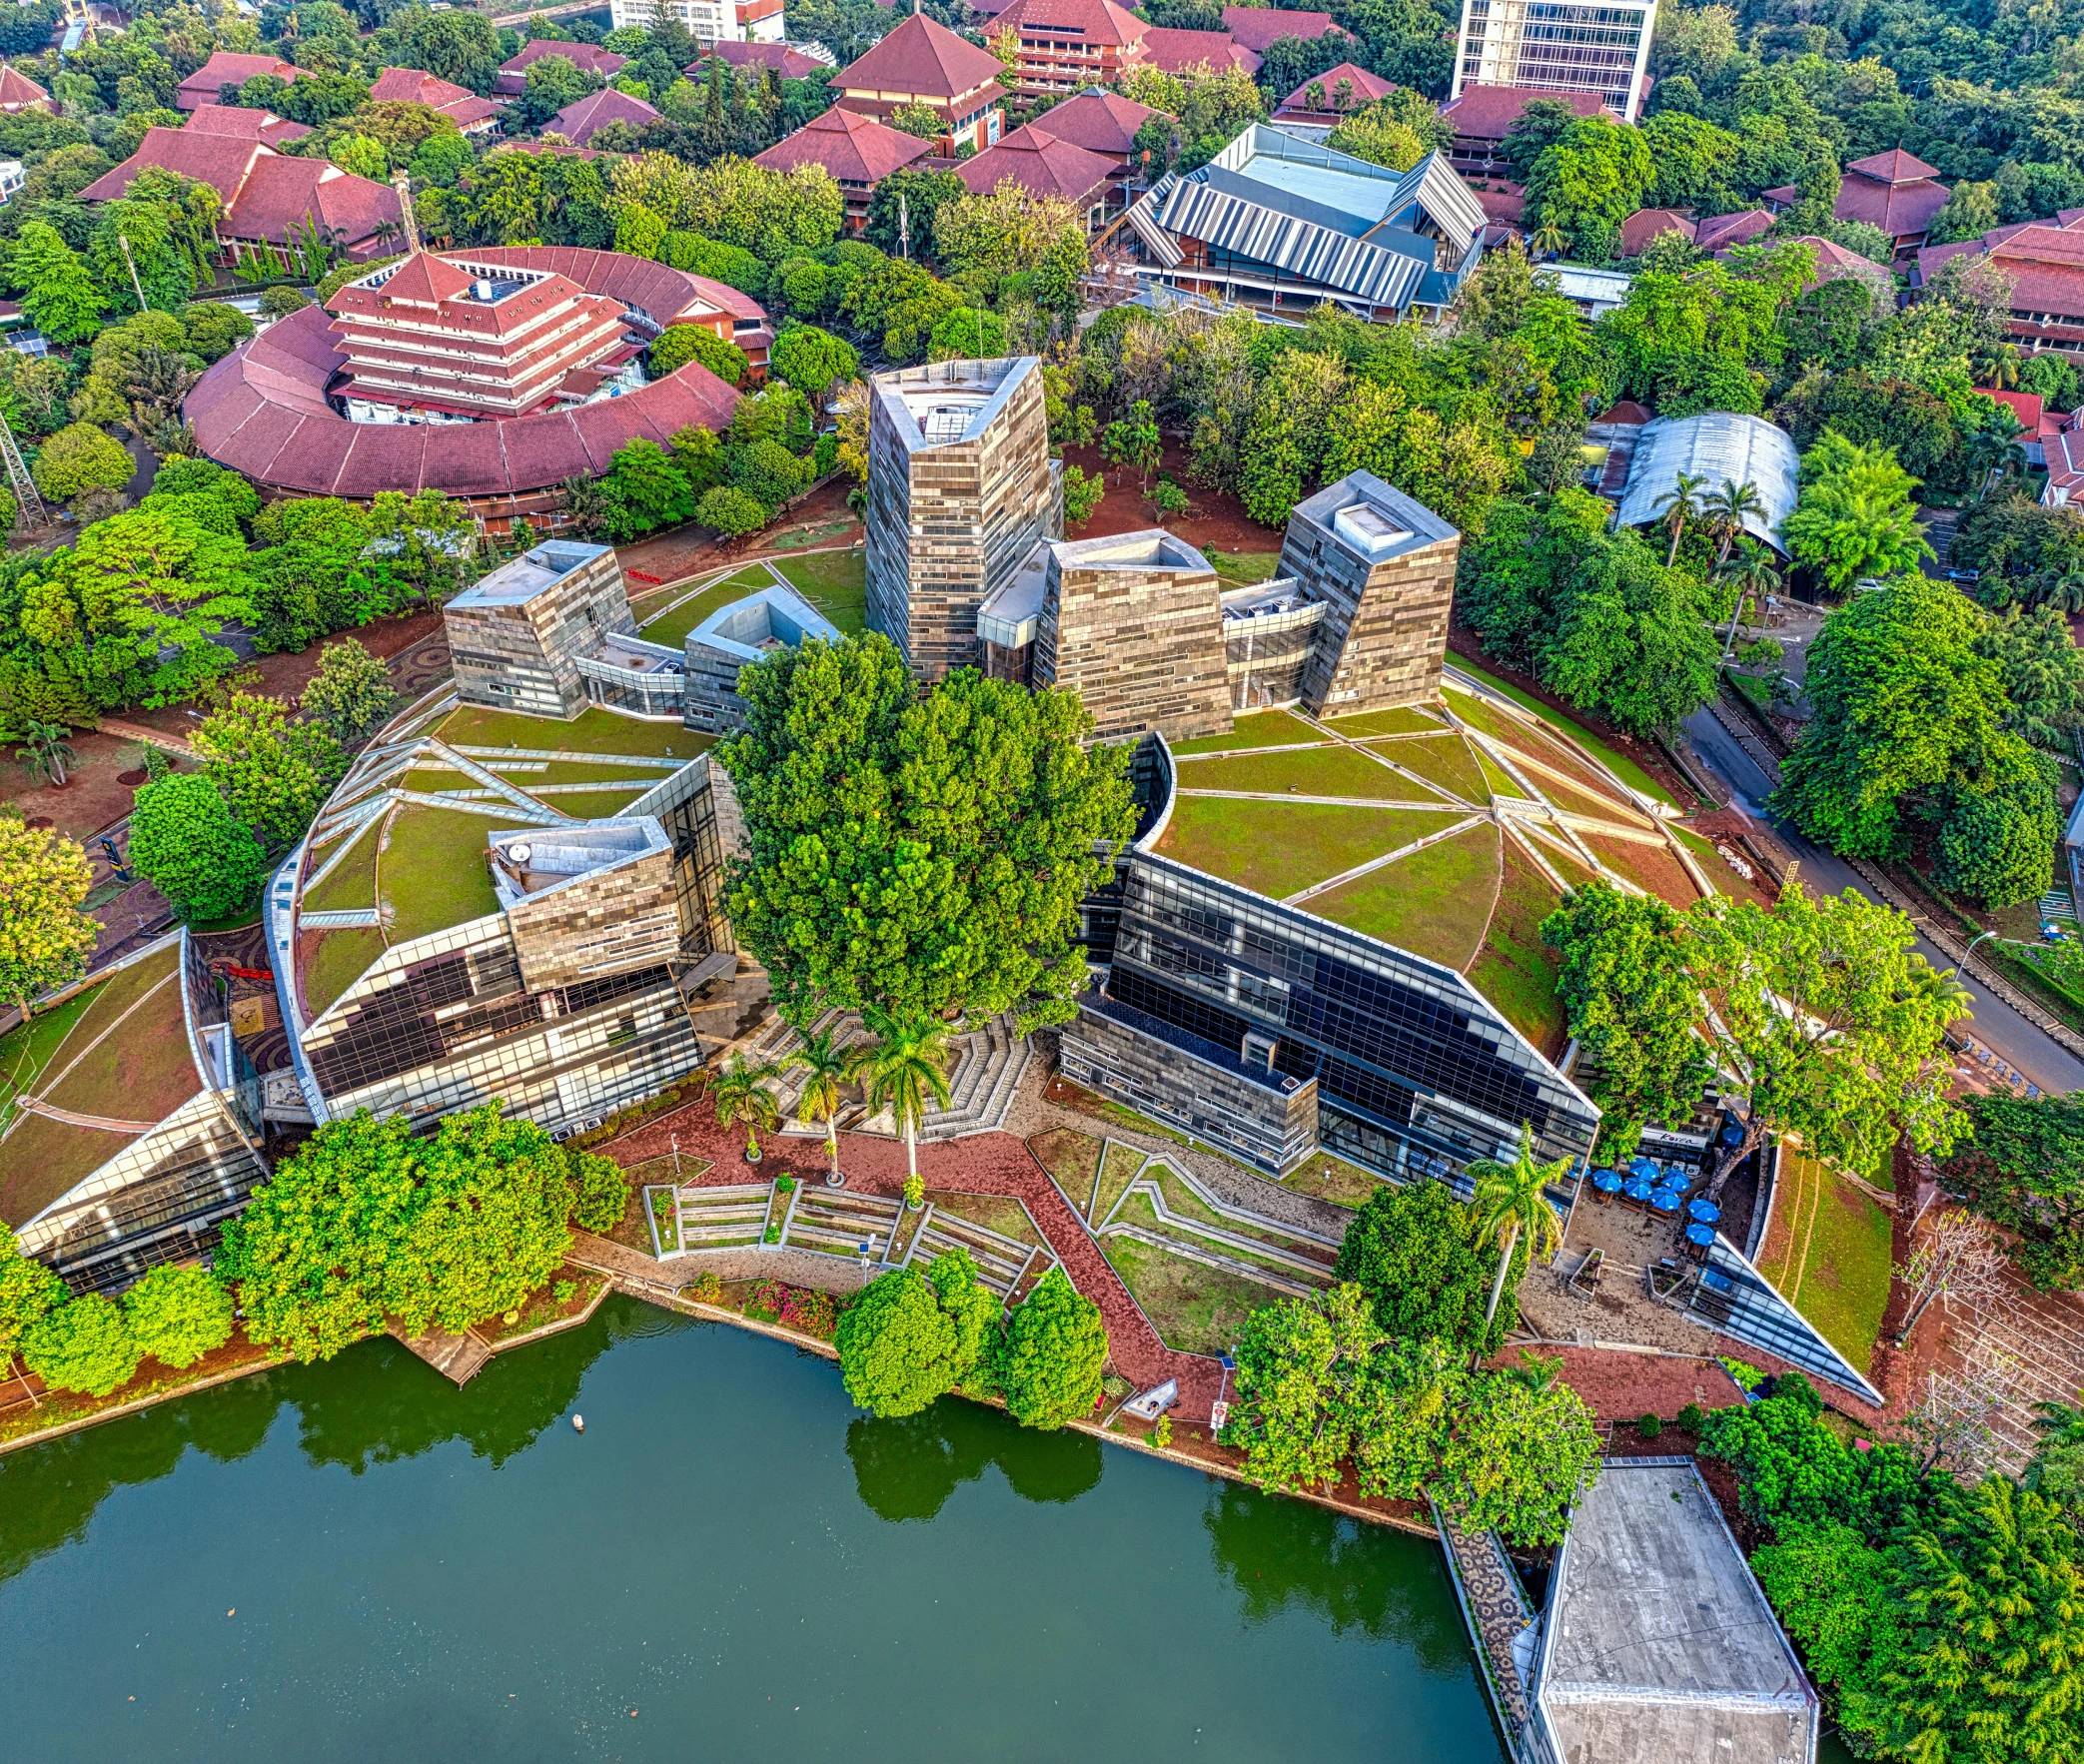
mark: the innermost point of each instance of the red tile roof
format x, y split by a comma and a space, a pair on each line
1721, 231
243, 125
1893, 167
221, 161
1091, 21
19, 92
1901, 208
1176, 51
1485, 113
1647, 223
425, 280
1503, 202
512, 78
855, 149
923, 60
2025, 406
1834, 262
225, 69
1257, 28
1041, 165
411, 85
578, 119
790, 64
265, 195
1100, 122
1367, 88
261, 411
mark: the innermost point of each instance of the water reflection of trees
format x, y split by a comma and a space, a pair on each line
1280, 1553
907, 1469
373, 1404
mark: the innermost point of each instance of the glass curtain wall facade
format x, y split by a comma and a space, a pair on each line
1416, 1074
1558, 48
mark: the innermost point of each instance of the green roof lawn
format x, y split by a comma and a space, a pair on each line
1718, 868
26, 1050
593, 731
142, 1071
1495, 776
1278, 848
1618, 763
1828, 1254
1652, 868
1445, 760
1433, 903
1513, 969
835, 582
354, 883
671, 628
1195, 1308
1259, 728
434, 872
1406, 719
592, 805
340, 959
1316, 771
1240, 569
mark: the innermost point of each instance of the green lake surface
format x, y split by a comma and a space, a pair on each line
358, 1561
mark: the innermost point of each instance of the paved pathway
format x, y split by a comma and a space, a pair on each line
1491, 1601
983, 1164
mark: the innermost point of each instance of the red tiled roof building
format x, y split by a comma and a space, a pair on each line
1723, 233
1041, 165
589, 58
275, 408
225, 69
1484, 115
583, 118
1647, 223
1066, 44
787, 63
1179, 52
242, 124
921, 61
1259, 28
18, 92
1895, 191
1333, 94
2045, 262
858, 151
268, 198
411, 85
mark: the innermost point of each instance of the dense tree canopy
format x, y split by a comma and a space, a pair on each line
1413, 1251
911, 1338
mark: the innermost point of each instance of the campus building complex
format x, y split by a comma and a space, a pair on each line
1559, 46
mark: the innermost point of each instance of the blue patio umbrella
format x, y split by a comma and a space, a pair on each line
1733, 1135
1706, 1212
1605, 1181
1636, 1187
1699, 1234
1664, 1200
1646, 1168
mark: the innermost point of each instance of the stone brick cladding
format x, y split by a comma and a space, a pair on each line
607, 923
1140, 641
950, 523
1267, 1119
522, 655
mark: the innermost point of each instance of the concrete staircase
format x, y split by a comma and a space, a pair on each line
987, 1070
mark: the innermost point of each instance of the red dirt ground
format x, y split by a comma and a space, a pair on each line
687, 550
1621, 1388
983, 1164
1215, 522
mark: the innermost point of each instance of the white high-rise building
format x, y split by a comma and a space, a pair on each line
1559, 46
707, 21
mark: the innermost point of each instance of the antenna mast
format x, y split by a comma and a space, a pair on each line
28, 504
404, 185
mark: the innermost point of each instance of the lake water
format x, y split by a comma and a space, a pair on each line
358, 1561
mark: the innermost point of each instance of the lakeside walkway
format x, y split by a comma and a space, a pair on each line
983, 1164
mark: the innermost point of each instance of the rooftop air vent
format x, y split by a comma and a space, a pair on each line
1367, 529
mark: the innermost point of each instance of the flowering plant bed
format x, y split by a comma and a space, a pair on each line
664, 1204
795, 1308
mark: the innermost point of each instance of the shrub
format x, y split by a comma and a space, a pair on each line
601, 1189
563, 1292
678, 345
1648, 1427
178, 1315
279, 303
1161, 1434
1693, 1418
784, 1184
796, 1307
1748, 1377
81, 457
84, 1346
730, 511
184, 841
915, 1192
706, 1289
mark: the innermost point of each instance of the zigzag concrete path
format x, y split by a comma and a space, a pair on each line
982, 1164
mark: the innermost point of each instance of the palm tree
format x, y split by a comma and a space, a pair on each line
825, 1066
46, 754
159, 381
741, 1099
1725, 510
1678, 506
1548, 239
1753, 572
1510, 1201
1995, 455
906, 1062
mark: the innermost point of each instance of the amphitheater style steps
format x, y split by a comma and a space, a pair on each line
987, 1070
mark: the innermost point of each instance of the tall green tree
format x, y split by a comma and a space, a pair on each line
29, 1291
2022, 1164
45, 939
902, 1068
1415, 1251
185, 841
926, 854
911, 1338
59, 293
350, 694
275, 774
1305, 1387
1512, 1205
1590, 181
1050, 1354
1855, 517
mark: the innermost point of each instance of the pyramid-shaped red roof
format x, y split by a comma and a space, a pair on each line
1100, 122
17, 90
1893, 167
855, 149
425, 280
1091, 21
1040, 164
1367, 88
923, 60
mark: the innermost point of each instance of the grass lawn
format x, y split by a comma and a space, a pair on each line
1828, 1254
1279, 848
835, 582
1260, 728
595, 804
1325, 1177
1072, 1158
671, 628
1123, 1161
1446, 761
341, 959
1195, 1308
1433, 903
1239, 569
1515, 970
1495, 776
1619, 764
995, 1212
824, 533
1316, 771
354, 883
593, 731
1406, 719
25, 1052
435, 873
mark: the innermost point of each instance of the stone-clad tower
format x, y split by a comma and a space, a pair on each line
960, 487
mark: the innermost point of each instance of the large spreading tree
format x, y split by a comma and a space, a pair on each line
911, 1338
1049, 1358
920, 852
1415, 1251
45, 939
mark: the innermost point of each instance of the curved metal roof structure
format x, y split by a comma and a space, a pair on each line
1721, 447
263, 410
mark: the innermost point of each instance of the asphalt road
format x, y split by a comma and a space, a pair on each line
1997, 1026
